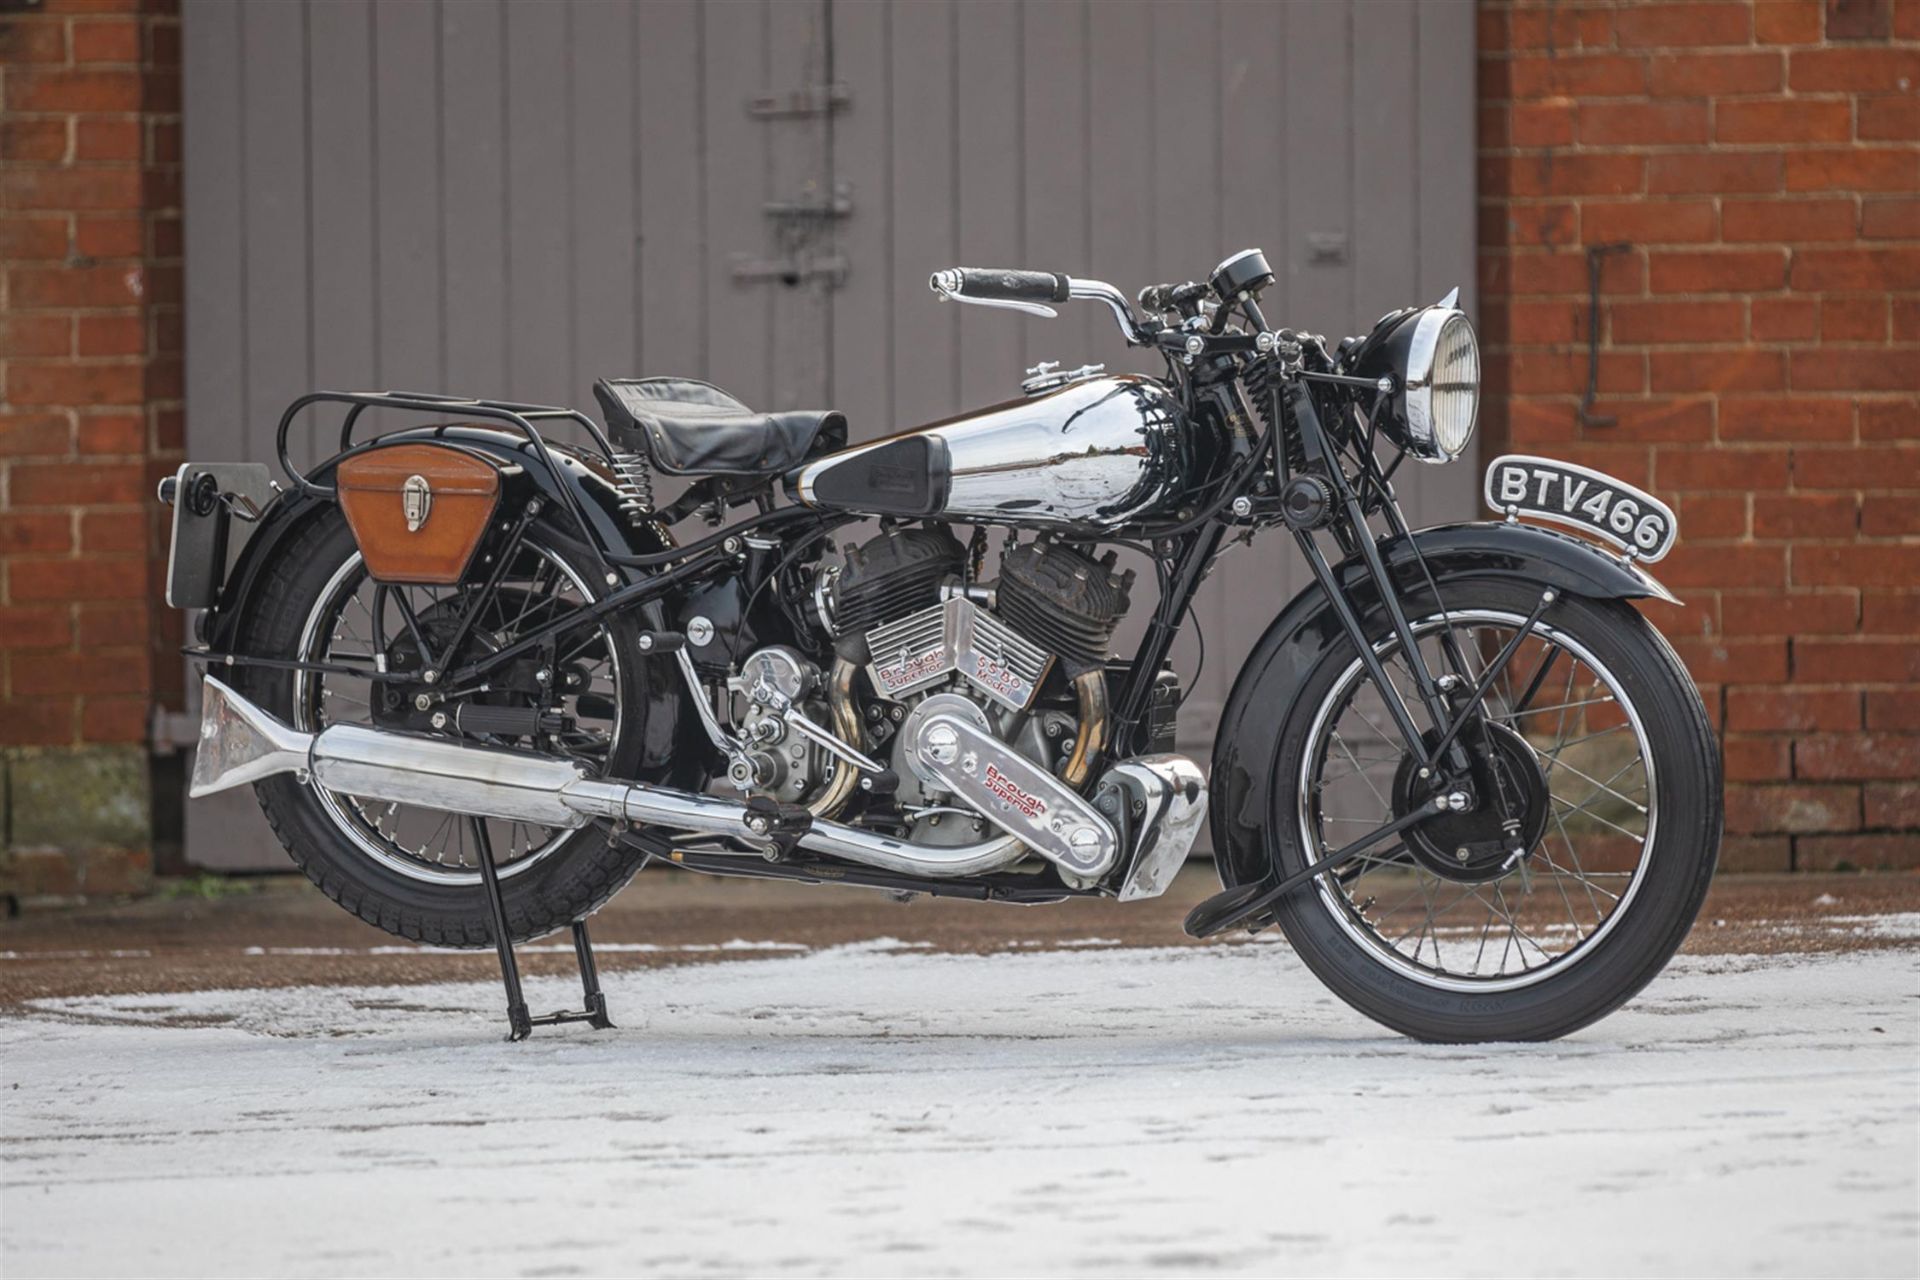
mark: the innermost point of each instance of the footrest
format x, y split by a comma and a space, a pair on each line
779, 823
1224, 910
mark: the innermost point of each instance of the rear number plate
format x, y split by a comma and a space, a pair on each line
1593, 501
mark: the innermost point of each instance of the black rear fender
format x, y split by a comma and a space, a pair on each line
1265, 691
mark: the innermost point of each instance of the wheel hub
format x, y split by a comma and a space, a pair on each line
1476, 845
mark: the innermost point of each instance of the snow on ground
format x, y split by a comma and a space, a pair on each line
880, 1110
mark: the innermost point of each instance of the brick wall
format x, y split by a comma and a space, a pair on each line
89, 417
1760, 348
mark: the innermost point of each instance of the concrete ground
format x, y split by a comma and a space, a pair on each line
279, 931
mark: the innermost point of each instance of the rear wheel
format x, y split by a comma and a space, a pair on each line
411, 870
1582, 861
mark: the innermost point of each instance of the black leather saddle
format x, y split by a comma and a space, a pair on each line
692, 428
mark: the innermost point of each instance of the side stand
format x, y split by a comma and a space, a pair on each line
520, 1023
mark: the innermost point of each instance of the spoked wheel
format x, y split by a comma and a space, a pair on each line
1588, 837
410, 869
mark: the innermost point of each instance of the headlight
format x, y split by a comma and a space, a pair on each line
1442, 382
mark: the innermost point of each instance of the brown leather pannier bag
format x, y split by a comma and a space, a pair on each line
419, 511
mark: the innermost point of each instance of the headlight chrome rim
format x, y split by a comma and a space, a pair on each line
1426, 436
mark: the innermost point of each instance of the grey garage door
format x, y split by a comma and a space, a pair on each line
514, 197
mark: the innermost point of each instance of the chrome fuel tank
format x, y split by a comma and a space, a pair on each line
1096, 453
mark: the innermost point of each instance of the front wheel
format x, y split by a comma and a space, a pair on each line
1578, 869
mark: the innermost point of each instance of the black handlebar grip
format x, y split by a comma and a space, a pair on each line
995, 282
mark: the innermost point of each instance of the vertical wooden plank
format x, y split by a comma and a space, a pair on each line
1318, 58
407, 200
216, 318
1385, 201
276, 276
672, 222
861, 347
1054, 120
1120, 186
739, 325
602, 161
340, 103
473, 208
924, 240
798, 172
989, 144
539, 308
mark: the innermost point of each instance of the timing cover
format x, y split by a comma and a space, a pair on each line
956, 635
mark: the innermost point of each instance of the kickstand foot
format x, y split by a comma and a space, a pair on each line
520, 1023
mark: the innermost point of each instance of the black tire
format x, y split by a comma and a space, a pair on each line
569, 881
1653, 922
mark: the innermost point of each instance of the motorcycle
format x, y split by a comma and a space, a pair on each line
478, 677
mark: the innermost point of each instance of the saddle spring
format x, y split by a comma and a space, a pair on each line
633, 476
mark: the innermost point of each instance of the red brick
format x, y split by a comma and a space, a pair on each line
1857, 755
1561, 174
1895, 118
1805, 515
123, 433
1798, 711
1725, 271
1529, 223
44, 533
113, 720
1889, 420
48, 90
1787, 21
1722, 468
1647, 221
1562, 273
33, 141
35, 335
1833, 661
1540, 124
113, 335
1859, 564
1713, 515
1797, 613
1555, 28
107, 40
1784, 319
1715, 74
111, 623
1751, 759
1855, 168
66, 484
113, 531
163, 142
57, 673
1906, 319
1793, 809
1893, 708
1889, 852
107, 236
30, 239
1670, 323
1889, 612
1853, 320
1782, 220
70, 384
1786, 420
84, 579
1891, 804
69, 189
1867, 467
33, 287
1583, 75
24, 40
1853, 70
36, 722
1663, 421
1546, 372
1859, 19
1890, 516
1642, 124
108, 139
1742, 369
1659, 26
40, 627
1840, 369
1800, 120
29, 434
1710, 173
1720, 660
1710, 564
1869, 270
1747, 855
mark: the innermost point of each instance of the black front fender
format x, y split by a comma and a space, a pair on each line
1265, 692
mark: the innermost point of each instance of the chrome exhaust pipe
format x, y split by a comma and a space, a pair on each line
240, 743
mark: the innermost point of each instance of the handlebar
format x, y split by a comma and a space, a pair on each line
1029, 291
